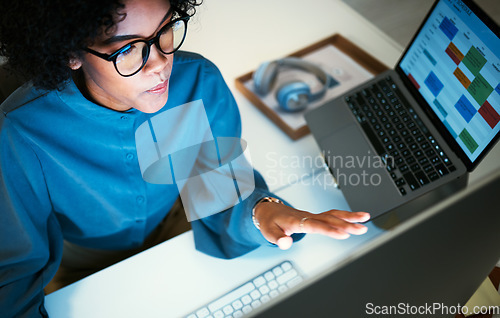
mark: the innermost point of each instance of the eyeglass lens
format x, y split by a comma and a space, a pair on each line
134, 56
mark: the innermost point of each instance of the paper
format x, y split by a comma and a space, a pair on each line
485, 296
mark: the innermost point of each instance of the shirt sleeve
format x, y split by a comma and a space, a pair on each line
230, 233
30, 236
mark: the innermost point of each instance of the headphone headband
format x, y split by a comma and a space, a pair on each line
266, 74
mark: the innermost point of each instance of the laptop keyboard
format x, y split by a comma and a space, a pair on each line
411, 155
252, 294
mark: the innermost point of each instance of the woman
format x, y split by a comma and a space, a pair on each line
70, 176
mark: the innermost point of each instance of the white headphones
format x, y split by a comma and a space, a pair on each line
292, 96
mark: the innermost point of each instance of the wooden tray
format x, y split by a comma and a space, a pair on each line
361, 57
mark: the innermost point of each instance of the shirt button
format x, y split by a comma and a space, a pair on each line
140, 199
124, 117
130, 156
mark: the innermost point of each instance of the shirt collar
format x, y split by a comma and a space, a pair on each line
71, 96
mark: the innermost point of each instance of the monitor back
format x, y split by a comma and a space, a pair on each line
436, 259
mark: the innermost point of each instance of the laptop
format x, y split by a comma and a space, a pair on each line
422, 126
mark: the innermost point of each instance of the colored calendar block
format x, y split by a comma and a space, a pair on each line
465, 108
489, 114
474, 61
462, 78
433, 83
448, 28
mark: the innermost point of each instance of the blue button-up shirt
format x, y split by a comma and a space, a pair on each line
69, 170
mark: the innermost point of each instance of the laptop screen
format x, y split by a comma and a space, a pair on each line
454, 64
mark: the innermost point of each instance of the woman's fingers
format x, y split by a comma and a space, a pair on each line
349, 216
278, 222
328, 219
276, 235
317, 226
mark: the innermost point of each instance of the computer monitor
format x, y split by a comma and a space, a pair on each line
437, 258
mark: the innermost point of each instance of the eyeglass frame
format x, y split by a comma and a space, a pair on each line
155, 40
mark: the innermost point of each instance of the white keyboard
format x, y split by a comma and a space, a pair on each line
252, 294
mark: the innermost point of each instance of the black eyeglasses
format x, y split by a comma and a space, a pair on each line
132, 57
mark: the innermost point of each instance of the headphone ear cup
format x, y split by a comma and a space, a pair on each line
265, 76
293, 96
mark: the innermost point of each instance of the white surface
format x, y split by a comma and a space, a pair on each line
172, 279
239, 35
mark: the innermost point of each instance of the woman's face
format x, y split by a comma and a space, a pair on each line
147, 90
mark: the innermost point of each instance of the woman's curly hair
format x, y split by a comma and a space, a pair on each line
39, 37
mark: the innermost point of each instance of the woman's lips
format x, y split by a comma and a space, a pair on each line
159, 89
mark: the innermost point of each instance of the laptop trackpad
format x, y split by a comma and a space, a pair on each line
359, 171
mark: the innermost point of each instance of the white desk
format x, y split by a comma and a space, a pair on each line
173, 278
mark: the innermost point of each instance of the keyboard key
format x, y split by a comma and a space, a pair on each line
423, 161
402, 191
286, 276
286, 266
247, 309
441, 169
399, 161
264, 290
430, 152
259, 281
232, 296
256, 304
412, 182
228, 310
246, 299
202, 313
255, 294
373, 138
273, 284
238, 314
237, 304
433, 176
428, 168
294, 282
273, 293
400, 182
218, 314
421, 177
277, 271
265, 299
269, 276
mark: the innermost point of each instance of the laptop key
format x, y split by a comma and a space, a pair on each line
412, 182
423, 161
433, 176
428, 169
373, 138
441, 169
422, 178
400, 182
